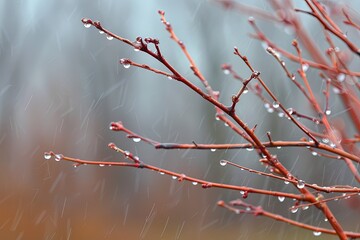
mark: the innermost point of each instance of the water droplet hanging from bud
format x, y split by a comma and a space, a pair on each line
223, 163
47, 155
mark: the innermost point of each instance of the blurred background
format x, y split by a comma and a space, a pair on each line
61, 85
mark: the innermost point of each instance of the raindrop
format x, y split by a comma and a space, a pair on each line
275, 104
290, 111
136, 158
305, 67
217, 118
136, 49
223, 163
242, 192
86, 23
194, 183
226, 71
127, 153
161, 173
294, 209
109, 37
332, 145
316, 234
226, 125
169, 77
101, 32
336, 90
111, 127
325, 140
125, 63
278, 147
266, 105
270, 110
245, 91
101, 165
328, 112
237, 211
213, 150
47, 155
286, 182
281, 198
250, 149
341, 77
300, 184
305, 207
58, 157
136, 140
314, 153
281, 114
174, 177
326, 220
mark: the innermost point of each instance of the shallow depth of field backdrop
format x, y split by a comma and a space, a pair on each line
61, 85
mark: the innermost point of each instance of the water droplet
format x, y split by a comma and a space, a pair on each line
278, 147
286, 182
226, 125
47, 155
300, 184
217, 118
266, 105
136, 158
136, 140
325, 140
328, 112
213, 150
281, 114
316, 234
332, 145
250, 149
275, 104
237, 211
336, 90
127, 154
101, 32
126, 65
58, 157
242, 192
194, 183
305, 207
169, 77
314, 153
223, 163
326, 220
270, 110
87, 25
293, 77
101, 165
305, 67
245, 91
294, 209
341, 77
111, 127
109, 37
226, 71
281, 198
290, 111
161, 173
174, 177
